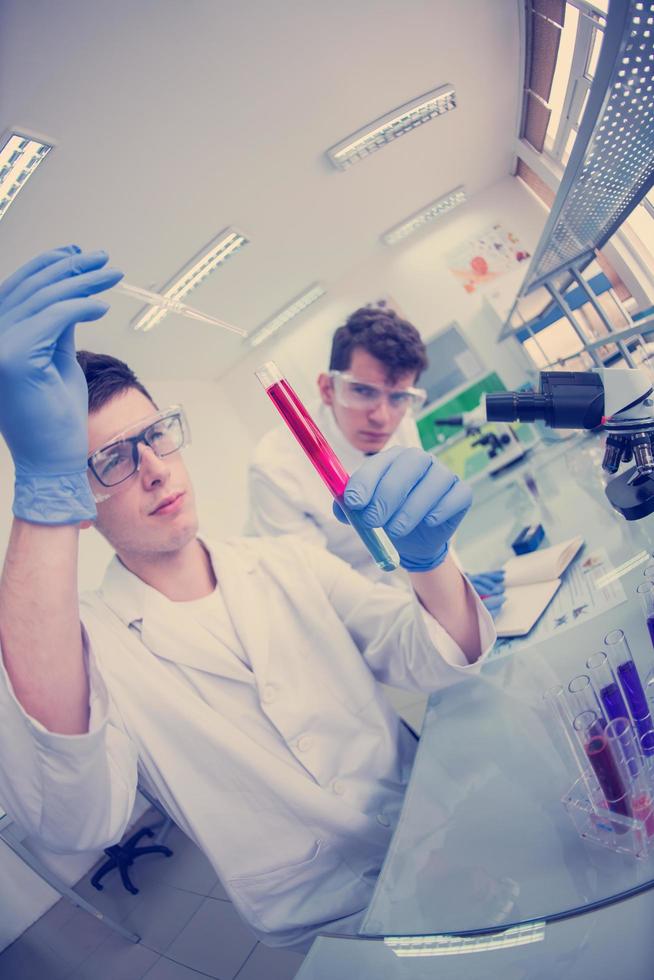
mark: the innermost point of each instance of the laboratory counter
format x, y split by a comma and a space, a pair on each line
483, 843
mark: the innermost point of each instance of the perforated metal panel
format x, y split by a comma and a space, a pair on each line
611, 167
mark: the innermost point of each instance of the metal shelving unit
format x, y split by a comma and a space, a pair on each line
611, 169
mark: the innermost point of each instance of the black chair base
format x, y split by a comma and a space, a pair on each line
121, 856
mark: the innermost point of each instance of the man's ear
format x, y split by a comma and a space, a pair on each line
326, 389
84, 525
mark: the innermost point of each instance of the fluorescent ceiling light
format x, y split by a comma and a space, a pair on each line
393, 124
434, 210
296, 306
219, 250
19, 157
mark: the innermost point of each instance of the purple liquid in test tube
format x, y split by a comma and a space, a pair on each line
635, 694
608, 776
632, 688
325, 461
645, 593
613, 702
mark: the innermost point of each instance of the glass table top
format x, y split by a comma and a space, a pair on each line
483, 841
603, 944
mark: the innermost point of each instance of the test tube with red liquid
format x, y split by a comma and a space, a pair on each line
325, 461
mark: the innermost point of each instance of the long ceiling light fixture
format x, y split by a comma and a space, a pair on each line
219, 250
20, 155
418, 220
295, 307
395, 123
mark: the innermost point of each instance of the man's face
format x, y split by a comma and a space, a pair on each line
367, 429
153, 512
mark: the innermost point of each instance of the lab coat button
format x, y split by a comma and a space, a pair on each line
269, 694
338, 787
304, 743
383, 820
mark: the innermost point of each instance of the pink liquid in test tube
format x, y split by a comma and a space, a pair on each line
325, 460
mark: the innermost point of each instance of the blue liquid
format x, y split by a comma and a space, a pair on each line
635, 695
613, 702
375, 539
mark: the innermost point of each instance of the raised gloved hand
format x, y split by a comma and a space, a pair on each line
43, 393
417, 501
490, 588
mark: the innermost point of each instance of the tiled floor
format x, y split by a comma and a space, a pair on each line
187, 926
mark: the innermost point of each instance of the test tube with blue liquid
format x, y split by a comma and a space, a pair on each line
606, 687
645, 593
325, 461
622, 662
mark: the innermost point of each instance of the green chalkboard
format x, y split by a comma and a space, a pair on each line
434, 436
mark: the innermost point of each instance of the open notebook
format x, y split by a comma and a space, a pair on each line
531, 583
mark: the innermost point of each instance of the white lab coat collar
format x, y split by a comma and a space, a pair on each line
179, 639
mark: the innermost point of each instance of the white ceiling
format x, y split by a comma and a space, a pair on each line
173, 120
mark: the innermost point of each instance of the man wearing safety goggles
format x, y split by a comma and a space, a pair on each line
368, 403
238, 682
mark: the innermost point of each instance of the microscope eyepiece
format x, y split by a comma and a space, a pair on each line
516, 406
566, 400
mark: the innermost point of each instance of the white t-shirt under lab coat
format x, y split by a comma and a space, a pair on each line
255, 717
288, 497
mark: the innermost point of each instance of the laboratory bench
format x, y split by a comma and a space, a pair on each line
483, 844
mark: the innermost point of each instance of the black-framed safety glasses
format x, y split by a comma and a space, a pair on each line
112, 465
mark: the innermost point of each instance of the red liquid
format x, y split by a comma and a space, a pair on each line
310, 437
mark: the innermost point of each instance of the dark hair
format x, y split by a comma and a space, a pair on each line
107, 377
383, 334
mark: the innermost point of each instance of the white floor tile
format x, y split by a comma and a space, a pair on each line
215, 941
116, 959
160, 916
271, 964
165, 969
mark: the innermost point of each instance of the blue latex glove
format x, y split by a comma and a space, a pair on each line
494, 602
417, 501
488, 583
43, 393
490, 587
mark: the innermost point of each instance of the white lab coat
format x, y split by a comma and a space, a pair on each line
287, 496
296, 828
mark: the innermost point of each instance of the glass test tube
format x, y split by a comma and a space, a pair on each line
632, 688
605, 684
582, 698
558, 703
325, 461
602, 760
645, 593
626, 750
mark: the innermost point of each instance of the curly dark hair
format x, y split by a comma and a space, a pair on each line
107, 377
384, 335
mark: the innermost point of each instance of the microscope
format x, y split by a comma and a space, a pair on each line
618, 400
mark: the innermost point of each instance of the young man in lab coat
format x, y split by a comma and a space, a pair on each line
237, 681
368, 402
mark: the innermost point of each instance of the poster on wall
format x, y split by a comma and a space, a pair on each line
485, 258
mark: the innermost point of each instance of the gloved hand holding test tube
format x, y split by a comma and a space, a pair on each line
325, 461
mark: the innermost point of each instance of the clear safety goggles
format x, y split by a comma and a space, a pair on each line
354, 393
112, 465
